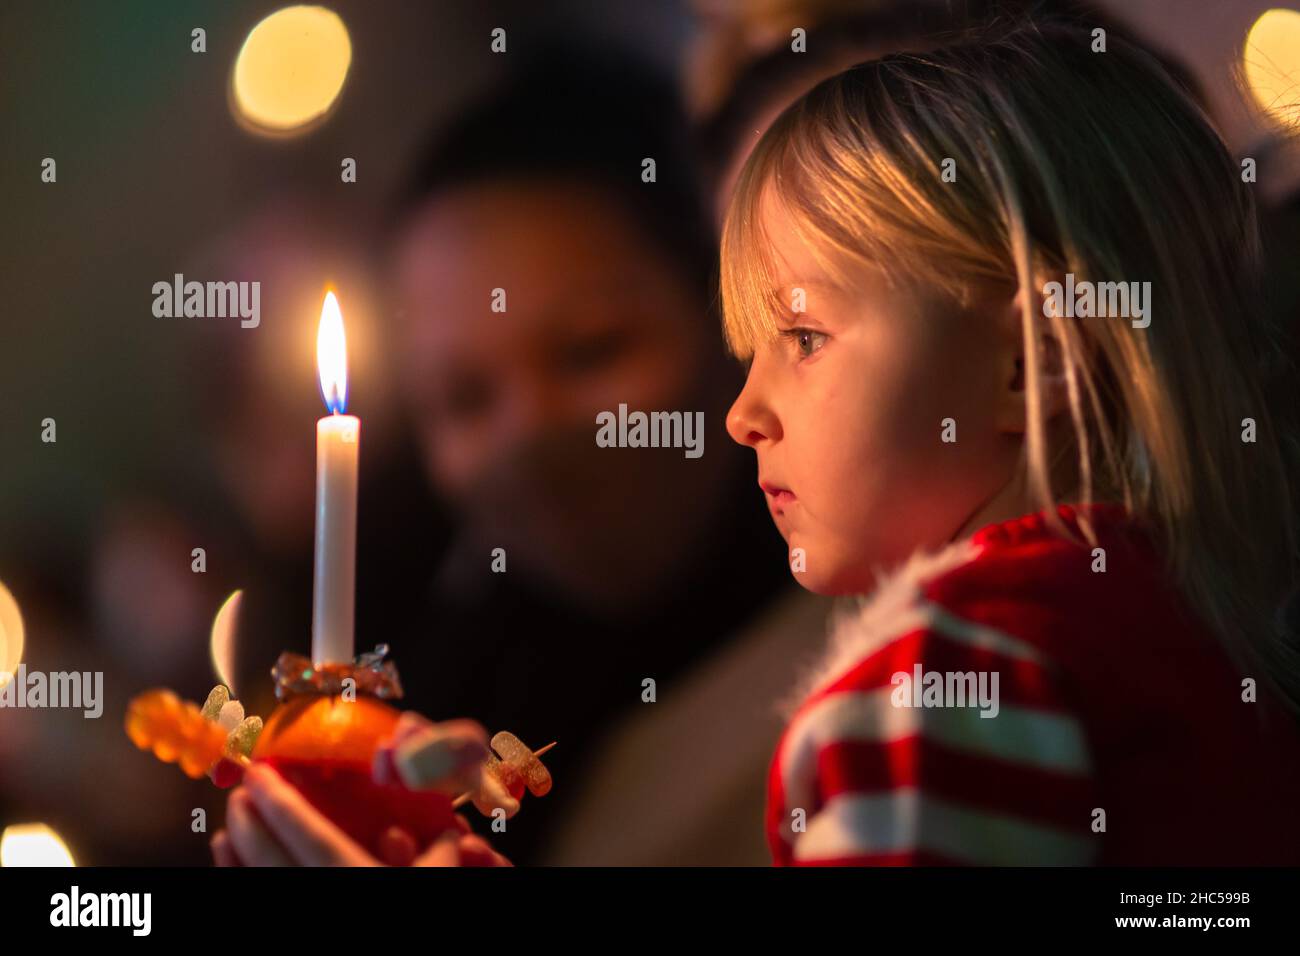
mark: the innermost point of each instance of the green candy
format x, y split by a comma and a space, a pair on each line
242, 738
217, 699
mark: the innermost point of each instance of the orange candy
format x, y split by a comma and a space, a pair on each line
175, 730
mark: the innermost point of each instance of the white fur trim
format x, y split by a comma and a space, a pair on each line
871, 621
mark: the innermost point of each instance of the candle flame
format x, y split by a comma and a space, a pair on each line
223, 638
33, 844
332, 356
11, 636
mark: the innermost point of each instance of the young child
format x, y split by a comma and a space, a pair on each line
1075, 528
1076, 655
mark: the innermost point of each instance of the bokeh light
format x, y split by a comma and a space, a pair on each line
1271, 62
291, 69
222, 642
33, 844
11, 636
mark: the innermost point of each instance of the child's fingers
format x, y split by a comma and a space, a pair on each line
310, 838
408, 724
464, 728
461, 849
223, 851
444, 851
422, 754
452, 765
475, 851
438, 759
397, 847
250, 840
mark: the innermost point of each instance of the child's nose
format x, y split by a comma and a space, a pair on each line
750, 421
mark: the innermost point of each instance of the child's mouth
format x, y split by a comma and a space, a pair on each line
778, 497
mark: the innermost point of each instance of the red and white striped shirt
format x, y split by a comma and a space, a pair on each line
1117, 731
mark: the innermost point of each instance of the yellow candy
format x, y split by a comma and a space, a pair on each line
520, 756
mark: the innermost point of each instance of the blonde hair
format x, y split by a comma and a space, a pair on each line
1068, 161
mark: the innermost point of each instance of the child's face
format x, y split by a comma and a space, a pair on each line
846, 410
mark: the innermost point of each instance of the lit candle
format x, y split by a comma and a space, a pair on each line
337, 447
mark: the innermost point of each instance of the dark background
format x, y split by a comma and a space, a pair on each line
156, 177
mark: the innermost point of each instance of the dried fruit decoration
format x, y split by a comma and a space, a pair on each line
323, 739
208, 740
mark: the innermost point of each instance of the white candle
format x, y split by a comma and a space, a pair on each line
337, 446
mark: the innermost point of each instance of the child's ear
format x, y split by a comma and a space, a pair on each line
1013, 413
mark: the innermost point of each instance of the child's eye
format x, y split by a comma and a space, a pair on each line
807, 341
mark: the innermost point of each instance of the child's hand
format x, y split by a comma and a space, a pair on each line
461, 849
272, 824
269, 823
423, 755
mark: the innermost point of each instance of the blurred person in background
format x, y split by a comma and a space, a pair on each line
622, 564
